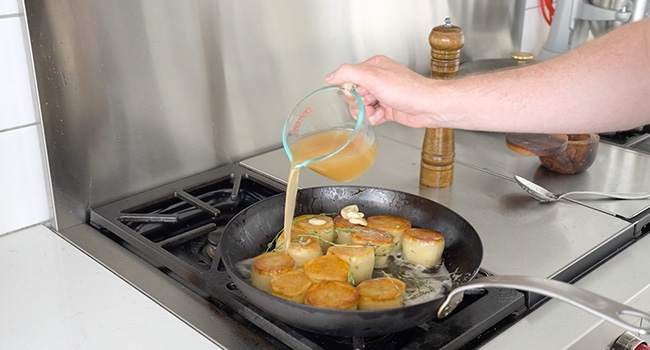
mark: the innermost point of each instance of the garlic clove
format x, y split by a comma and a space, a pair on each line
317, 222
358, 221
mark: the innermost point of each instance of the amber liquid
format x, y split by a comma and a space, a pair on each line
346, 165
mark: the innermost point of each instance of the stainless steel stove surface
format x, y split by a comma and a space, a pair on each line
174, 228
636, 139
177, 228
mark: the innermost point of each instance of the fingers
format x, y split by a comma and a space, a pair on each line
367, 98
356, 73
371, 105
341, 75
376, 114
363, 75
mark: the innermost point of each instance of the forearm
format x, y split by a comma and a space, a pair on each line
601, 86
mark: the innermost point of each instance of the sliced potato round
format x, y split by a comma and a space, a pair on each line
360, 257
320, 227
422, 247
326, 268
291, 286
381, 293
268, 265
394, 225
332, 295
381, 241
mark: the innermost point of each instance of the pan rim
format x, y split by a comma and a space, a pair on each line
282, 194
246, 287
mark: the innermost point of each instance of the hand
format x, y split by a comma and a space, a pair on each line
390, 91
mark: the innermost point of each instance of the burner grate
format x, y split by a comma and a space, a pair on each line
179, 225
177, 228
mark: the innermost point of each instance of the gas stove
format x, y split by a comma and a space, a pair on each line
177, 228
637, 139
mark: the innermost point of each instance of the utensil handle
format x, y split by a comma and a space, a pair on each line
615, 195
595, 304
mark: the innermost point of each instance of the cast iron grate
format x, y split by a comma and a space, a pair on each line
177, 228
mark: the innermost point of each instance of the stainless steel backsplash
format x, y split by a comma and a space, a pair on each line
137, 93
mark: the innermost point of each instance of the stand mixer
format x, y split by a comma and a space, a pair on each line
574, 19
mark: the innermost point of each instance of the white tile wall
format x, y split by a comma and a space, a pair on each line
24, 199
16, 102
8, 7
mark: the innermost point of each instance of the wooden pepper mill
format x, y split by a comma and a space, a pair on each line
438, 150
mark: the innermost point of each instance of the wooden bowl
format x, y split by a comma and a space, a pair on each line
578, 156
561, 153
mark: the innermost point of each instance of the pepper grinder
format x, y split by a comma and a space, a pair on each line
438, 149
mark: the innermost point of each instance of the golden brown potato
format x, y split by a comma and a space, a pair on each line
381, 241
268, 265
362, 244
303, 247
360, 257
422, 247
381, 293
326, 268
332, 295
394, 225
291, 286
343, 228
320, 227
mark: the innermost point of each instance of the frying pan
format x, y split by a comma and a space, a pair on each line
249, 232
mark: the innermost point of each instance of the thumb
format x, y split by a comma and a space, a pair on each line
345, 73
333, 78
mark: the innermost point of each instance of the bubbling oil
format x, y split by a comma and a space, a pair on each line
422, 284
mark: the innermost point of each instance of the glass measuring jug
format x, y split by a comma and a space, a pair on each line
328, 132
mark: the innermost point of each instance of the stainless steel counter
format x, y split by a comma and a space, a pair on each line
616, 169
559, 325
520, 235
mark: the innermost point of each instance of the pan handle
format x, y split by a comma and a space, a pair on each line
602, 307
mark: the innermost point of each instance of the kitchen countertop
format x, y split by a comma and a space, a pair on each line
520, 235
558, 325
557, 235
616, 169
56, 297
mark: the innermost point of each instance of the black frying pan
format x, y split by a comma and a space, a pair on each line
249, 232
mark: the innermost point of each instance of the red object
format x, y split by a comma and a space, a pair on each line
547, 12
642, 347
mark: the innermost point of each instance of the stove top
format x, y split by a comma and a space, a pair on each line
177, 228
637, 139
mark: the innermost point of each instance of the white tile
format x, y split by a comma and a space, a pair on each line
16, 97
8, 7
23, 194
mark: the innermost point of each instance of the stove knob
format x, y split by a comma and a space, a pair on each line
629, 341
